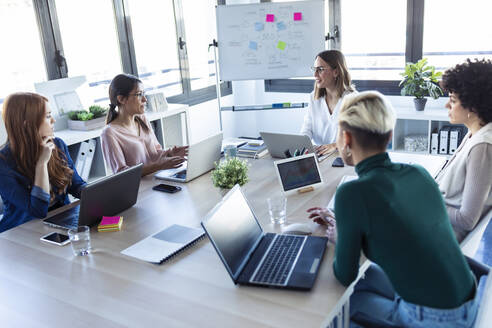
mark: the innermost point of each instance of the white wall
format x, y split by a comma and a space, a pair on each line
204, 118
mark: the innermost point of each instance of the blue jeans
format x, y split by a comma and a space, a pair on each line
374, 296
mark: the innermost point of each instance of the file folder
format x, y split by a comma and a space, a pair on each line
444, 140
85, 157
454, 135
434, 143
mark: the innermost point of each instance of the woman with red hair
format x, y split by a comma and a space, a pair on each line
36, 171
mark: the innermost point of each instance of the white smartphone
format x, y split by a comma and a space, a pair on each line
56, 238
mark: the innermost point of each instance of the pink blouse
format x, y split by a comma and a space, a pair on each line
122, 148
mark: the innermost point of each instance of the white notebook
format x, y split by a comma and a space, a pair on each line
165, 244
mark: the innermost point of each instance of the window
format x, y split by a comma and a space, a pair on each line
90, 43
373, 38
200, 30
156, 49
22, 61
456, 30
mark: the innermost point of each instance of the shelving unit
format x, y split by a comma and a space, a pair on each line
411, 122
170, 127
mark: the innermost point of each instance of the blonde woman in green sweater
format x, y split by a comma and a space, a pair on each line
395, 215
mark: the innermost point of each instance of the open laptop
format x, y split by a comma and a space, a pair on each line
201, 159
279, 143
253, 257
107, 196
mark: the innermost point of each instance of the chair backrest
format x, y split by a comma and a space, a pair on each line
3, 132
470, 244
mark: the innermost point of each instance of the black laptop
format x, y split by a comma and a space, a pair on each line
107, 196
253, 257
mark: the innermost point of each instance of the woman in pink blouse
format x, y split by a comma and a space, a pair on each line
128, 138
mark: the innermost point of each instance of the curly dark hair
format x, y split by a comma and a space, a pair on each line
472, 82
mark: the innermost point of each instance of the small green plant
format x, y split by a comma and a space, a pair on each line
230, 172
420, 80
95, 111
98, 111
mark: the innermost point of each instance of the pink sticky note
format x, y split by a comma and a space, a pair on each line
270, 18
110, 220
297, 16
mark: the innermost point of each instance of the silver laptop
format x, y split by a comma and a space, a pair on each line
279, 143
253, 257
107, 196
201, 159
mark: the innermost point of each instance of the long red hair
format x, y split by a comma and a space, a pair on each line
23, 113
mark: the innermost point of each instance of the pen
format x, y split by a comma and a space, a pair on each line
287, 154
296, 153
302, 151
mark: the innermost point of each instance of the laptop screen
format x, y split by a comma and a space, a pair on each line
299, 173
234, 230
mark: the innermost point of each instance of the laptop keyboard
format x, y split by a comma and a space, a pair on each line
277, 264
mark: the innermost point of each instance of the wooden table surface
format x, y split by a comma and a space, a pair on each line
44, 285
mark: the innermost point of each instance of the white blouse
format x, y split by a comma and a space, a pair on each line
319, 124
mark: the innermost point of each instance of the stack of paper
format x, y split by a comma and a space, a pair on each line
110, 223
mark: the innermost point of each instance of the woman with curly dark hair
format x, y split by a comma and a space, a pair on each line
465, 182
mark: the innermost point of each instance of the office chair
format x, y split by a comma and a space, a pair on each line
364, 320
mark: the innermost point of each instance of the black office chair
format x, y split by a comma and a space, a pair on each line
364, 320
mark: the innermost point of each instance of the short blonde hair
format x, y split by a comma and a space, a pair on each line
369, 117
368, 111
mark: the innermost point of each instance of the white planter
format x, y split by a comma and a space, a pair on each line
87, 125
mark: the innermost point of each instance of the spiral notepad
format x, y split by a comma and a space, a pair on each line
165, 244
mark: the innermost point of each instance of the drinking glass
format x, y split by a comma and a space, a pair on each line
230, 151
277, 207
80, 239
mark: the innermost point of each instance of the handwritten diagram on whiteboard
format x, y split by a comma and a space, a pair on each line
269, 40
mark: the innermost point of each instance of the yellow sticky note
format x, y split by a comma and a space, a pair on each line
281, 45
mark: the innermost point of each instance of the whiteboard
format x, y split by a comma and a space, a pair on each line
269, 40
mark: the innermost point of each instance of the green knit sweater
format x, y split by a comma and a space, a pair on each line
395, 214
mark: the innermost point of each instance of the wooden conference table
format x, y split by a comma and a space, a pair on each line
44, 285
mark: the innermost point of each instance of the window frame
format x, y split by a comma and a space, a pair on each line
413, 52
56, 65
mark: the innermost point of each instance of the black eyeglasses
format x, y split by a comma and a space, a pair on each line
318, 69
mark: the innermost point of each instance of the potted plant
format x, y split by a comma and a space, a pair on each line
230, 172
90, 119
420, 80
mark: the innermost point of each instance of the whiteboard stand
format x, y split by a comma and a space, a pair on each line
217, 82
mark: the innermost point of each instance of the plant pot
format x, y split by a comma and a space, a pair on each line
87, 125
419, 103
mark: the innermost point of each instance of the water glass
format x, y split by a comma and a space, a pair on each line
230, 151
80, 239
277, 207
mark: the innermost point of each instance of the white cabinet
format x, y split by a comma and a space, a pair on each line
170, 127
415, 126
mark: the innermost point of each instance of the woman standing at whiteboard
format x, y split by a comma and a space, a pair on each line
332, 83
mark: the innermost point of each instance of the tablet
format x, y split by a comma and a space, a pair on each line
298, 172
